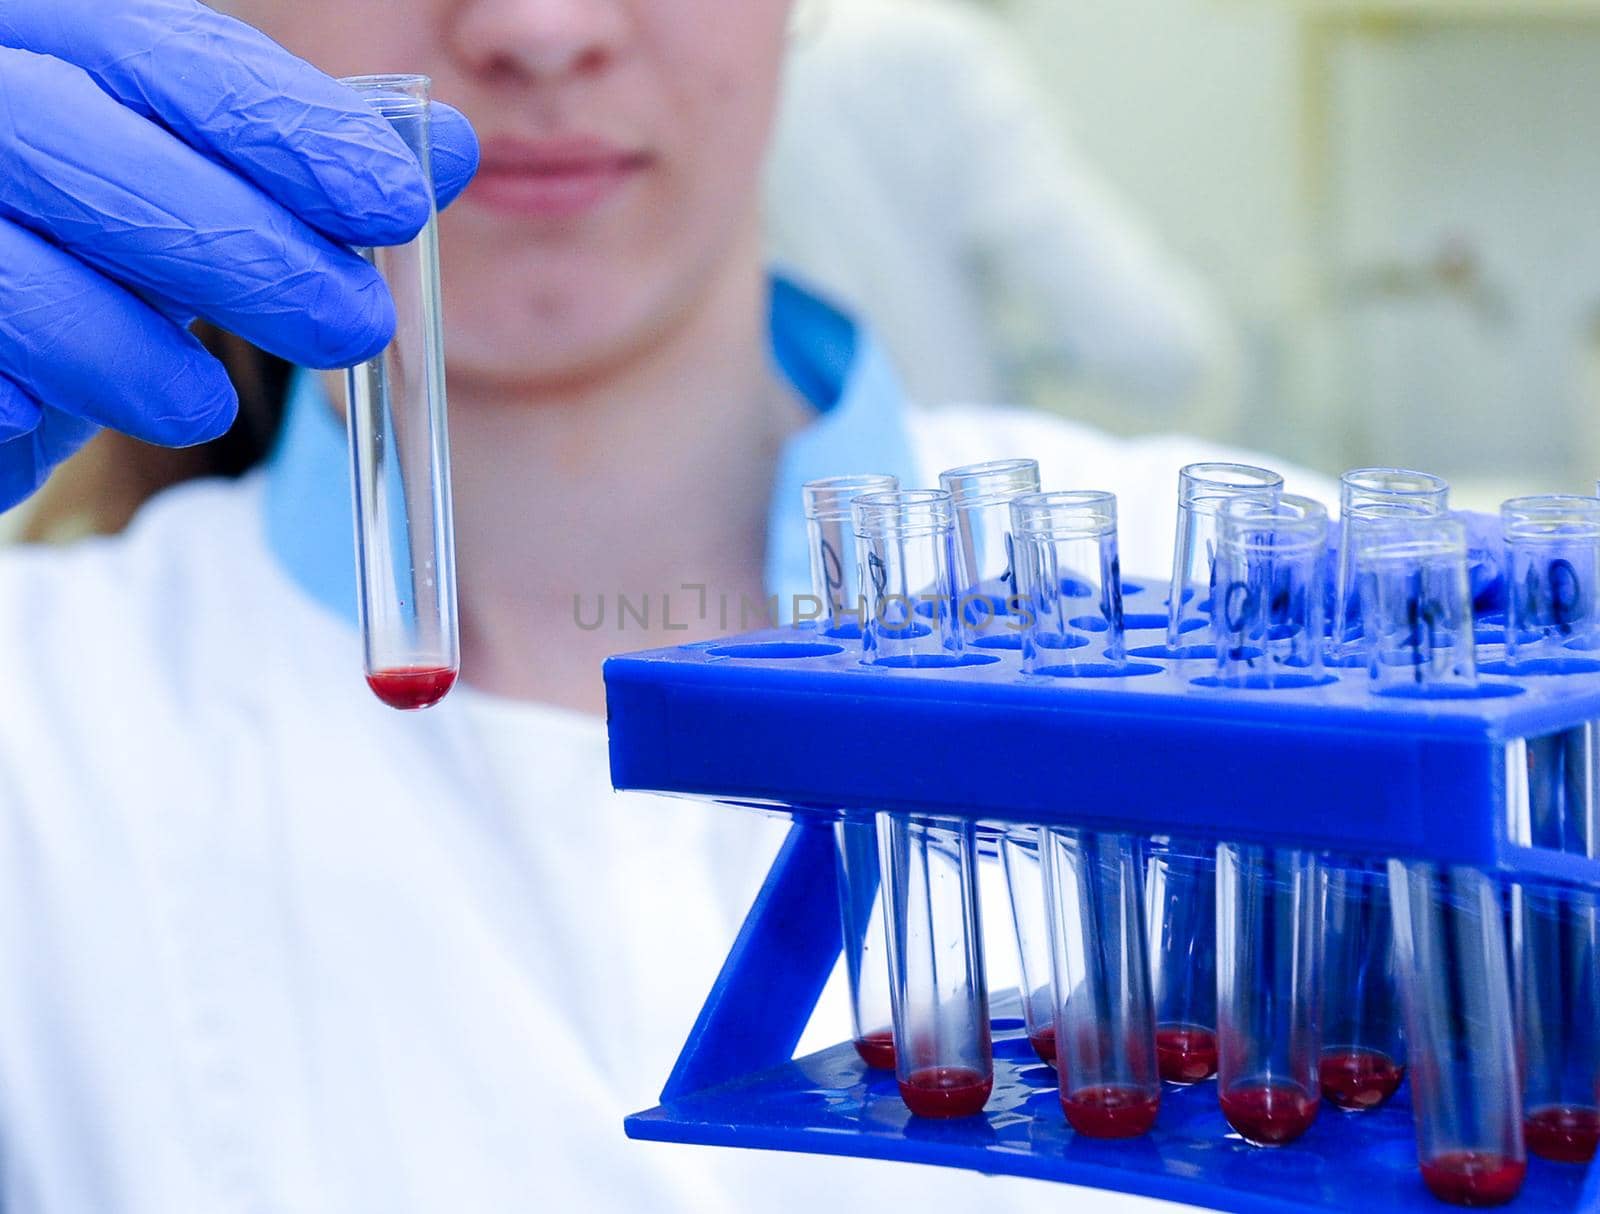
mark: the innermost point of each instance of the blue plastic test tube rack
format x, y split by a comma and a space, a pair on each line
792, 719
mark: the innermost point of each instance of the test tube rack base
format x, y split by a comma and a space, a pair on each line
793, 720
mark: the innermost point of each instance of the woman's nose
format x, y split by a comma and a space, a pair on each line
536, 41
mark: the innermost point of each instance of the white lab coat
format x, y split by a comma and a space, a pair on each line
916, 175
266, 945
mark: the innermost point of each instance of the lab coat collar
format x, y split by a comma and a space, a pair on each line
831, 361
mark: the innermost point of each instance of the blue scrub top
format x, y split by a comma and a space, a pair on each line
831, 362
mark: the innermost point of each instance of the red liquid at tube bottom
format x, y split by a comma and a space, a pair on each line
1358, 1079
1185, 1053
1562, 1132
1044, 1045
1269, 1114
411, 687
946, 1091
877, 1049
1111, 1111
1473, 1178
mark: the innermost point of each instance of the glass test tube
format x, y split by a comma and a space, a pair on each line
1449, 936
986, 605
1419, 493
835, 583
1181, 910
1552, 576
1105, 1024
1267, 622
1267, 618
835, 576
1269, 1039
1182, 873
1019, 856
1553, 546
1181, 877
985, 582
905, 551
866, 947
400, 453
1202, 491
1449, 930
1066, 558
942, 1051
937, 987
1414, 605
1362, 1060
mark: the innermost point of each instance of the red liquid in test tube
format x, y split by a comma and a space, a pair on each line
412, 687
1111, 1111
1562, 1133
877, 1049
1269, 1114
946, 1091
1044, 1044
1473, 1178
1358, 1079
1185, 1053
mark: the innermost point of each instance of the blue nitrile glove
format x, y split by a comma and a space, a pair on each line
161, 162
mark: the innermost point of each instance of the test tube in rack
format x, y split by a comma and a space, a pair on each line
1104, 1024
836, 585
986, 606
1553, 615
1267, 619
986, 584
1449, 937
943, 1056
1181, 874
1399, 490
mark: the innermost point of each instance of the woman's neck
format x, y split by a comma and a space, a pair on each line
648, 484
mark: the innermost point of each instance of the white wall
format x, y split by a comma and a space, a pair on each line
1461, 298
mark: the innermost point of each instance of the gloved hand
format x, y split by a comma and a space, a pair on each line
161, 162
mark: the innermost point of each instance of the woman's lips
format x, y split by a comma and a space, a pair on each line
554, 178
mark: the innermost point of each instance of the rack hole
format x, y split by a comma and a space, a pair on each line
1263, 681
1540, 667
1483, 691
932, 661
1097, 670
780, 650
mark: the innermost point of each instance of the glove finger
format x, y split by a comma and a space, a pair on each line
19, 412
135, 202
227, 89
25, 462
455, 153
79, 342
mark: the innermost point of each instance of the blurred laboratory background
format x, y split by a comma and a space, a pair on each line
1346, 231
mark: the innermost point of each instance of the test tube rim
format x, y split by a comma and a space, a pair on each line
1419, 537
879, 482
1428, 484
393, 94
965, 495
1033, 514
1550, 518
905, 512
1299, 524
1200, 488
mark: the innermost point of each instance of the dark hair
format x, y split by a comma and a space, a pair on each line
99, 490
262, 383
